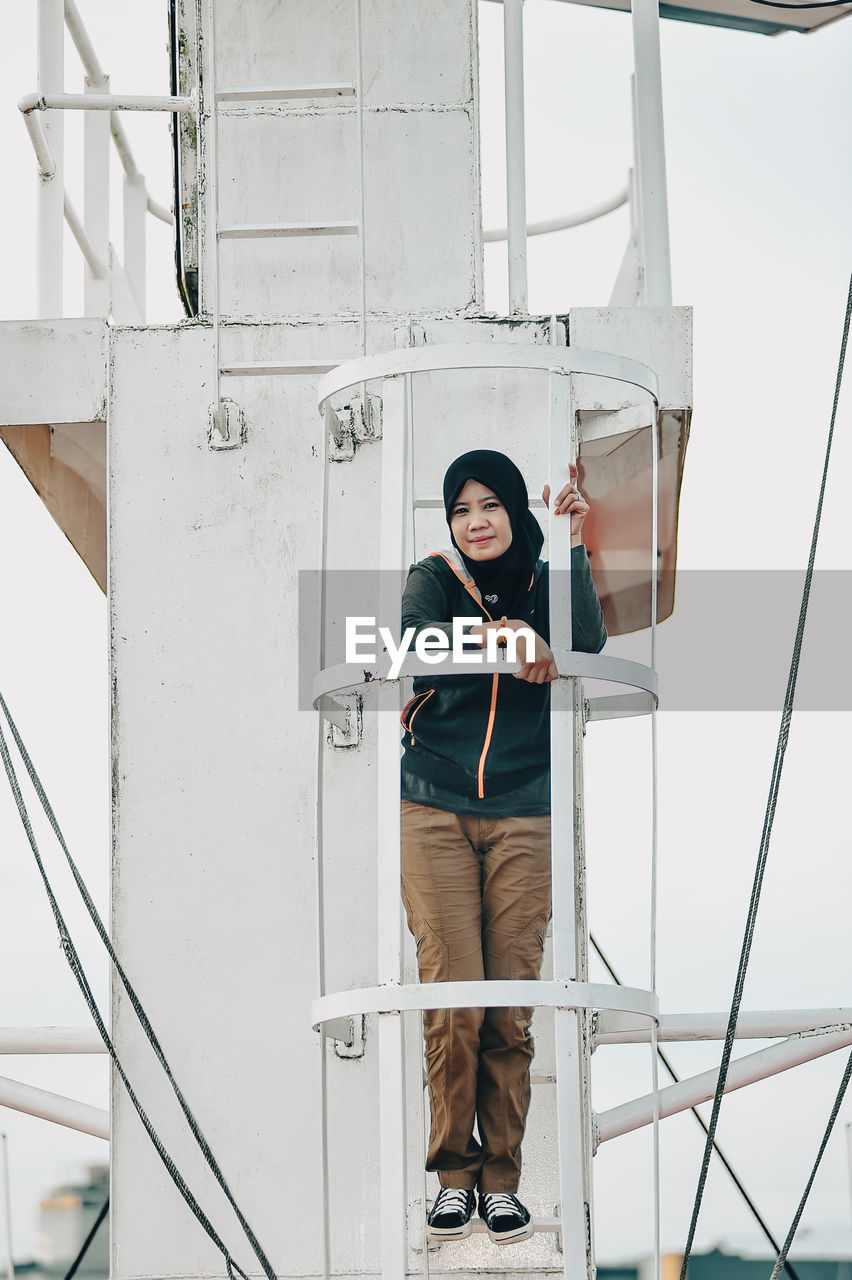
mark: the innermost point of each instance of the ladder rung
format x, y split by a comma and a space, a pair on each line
425, 501
540, 1224
285, 93
263, 230
280, 368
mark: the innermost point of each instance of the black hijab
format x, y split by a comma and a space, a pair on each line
503, 582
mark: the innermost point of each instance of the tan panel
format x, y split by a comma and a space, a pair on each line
66, 465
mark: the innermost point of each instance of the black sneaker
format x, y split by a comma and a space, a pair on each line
505, 1217
449, 1217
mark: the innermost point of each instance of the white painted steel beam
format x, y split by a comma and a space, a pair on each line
97, 266
104, 102
55, 1107
82, 42
23, 1040
285, 93
135, 212
516, 176
701, 1088
278, 368
651, 186
38, 137
160, 211
567, 220
51, 211
683, 1027
96, 139
260, 231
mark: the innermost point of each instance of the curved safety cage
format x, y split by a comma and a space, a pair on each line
622, 688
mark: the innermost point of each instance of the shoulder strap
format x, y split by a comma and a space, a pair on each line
454, 560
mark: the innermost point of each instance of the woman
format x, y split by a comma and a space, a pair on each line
476, 827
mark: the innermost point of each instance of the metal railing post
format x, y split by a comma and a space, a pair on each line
651, 188
97, 291
516, 179
51, 203
135, 212
392, 1143
567, 862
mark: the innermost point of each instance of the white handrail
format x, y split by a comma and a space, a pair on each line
566, 220
55, 1107
104, 102
78, 231
51, 98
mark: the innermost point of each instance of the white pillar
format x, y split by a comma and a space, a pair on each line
516, 176
51, 79
651, 189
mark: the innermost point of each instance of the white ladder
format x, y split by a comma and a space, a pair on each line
227, 427
569, 993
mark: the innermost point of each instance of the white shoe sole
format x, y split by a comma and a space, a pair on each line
511, 1237
441, 1235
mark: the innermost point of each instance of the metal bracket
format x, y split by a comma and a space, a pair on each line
354, 1043
226, 425
344, 713
356, 423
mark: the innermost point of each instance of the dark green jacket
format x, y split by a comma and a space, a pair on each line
481, 743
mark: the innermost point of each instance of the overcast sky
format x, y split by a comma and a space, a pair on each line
760, 183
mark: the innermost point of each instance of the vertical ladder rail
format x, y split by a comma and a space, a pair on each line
568, 886
392, 1145
652, 983
516, 194
218, 436
320, 861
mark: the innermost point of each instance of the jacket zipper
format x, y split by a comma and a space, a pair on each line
410, 725
480, 775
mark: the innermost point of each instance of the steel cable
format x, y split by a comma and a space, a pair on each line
84, 1247
781, 1260
76, 967
769, 817
756, 1214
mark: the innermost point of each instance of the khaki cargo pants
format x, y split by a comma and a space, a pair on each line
477, 894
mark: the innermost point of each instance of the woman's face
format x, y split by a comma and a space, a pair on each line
480, 523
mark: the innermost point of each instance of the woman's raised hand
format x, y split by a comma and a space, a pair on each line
569, 499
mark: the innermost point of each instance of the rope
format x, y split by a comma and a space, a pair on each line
84, 1247
782, 1256
76, 967
719, 1152
769, 818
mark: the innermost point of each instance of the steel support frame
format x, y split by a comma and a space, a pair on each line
55, 1107
701, 1088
